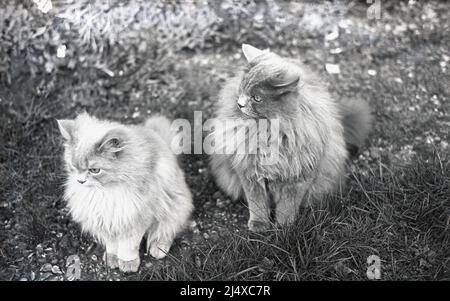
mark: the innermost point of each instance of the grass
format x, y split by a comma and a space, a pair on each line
404, 221
396, 204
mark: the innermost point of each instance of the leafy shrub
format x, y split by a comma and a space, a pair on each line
125, 51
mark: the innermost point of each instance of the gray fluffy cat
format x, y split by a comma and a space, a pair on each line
316, 134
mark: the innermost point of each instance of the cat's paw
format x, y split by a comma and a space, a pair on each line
159, 251
127, 266
111, 260
258, 226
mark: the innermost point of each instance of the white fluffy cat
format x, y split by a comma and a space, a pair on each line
124, 182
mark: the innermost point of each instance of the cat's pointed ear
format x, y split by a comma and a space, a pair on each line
286, 79
66, 127
251, 52
113, 142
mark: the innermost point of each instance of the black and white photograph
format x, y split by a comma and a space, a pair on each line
224, 142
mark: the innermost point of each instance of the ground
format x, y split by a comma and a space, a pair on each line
397, 202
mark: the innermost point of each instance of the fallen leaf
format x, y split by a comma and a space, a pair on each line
333, 68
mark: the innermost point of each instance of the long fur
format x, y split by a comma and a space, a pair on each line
161, 125
314, 130
141, 188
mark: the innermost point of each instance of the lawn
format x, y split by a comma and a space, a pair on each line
126, 62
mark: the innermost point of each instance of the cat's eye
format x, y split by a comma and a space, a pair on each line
256, 98
94, 171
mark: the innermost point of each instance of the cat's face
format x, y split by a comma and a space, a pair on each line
93, 151
268, 84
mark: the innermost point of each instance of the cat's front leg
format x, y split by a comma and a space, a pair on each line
128, 253
258, 205
110, 255
159, 249
288, 198
160, 240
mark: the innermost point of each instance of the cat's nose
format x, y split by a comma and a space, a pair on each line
81, 181
242, 101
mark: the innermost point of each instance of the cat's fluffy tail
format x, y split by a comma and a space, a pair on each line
161, 125
357, 122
